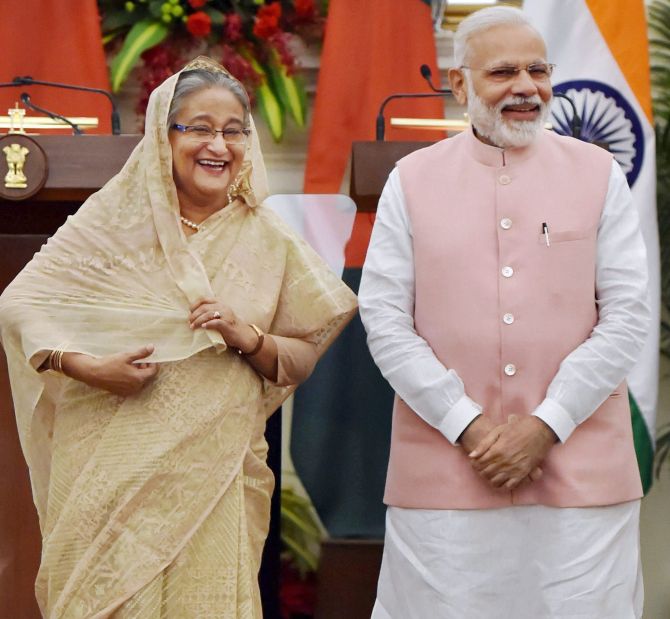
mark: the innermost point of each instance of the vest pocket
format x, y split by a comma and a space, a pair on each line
563, 236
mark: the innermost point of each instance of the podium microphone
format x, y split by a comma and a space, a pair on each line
380, 127
25, 99
427, 74
26, 80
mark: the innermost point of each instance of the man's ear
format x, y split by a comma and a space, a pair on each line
458, 86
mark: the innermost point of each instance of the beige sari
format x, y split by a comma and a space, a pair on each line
157, 505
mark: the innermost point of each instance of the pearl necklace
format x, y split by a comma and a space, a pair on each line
189, 223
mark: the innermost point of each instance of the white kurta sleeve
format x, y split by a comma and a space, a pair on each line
386, 303
589, 374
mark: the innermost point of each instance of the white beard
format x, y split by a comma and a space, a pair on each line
490, 123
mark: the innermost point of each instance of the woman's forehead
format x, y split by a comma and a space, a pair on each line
216, 103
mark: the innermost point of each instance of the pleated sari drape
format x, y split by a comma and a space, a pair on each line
156, 505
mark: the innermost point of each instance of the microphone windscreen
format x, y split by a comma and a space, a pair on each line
426, 72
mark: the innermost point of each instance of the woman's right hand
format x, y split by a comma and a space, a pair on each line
118, 373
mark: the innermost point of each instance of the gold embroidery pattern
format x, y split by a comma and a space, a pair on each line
145, 502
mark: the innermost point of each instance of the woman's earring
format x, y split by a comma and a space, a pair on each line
241, 186
232, 192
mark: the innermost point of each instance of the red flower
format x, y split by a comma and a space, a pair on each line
297, 595
197, 4
240, 68
199, 24
232, 30
160, 62
281, 41
273, 9
305, 9
266, 22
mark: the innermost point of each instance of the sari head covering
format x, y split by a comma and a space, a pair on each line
123, 488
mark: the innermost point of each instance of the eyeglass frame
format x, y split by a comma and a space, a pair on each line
517, 70
184, 130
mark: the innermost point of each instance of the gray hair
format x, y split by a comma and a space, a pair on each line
192, 81
482, 20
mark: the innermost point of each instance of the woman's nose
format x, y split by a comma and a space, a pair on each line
218, 144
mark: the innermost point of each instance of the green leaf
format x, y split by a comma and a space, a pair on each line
110, 37
271, 110
143, 35
217, 17
299, 552
290, 90
303, 524
118, 19
156, 8
269, 104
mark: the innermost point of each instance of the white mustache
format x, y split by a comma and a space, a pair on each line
519, 100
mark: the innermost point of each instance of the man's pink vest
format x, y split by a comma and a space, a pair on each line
503, 310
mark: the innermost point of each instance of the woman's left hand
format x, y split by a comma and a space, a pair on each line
210, 313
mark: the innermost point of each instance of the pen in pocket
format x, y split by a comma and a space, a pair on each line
545, 231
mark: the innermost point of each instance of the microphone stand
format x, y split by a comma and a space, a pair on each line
576, 123
427, 74
26, 80
381, 123
25, 99
380, 127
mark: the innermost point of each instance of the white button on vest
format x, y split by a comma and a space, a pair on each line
507, 271
510, 369
508, 319
504, 179
505, 223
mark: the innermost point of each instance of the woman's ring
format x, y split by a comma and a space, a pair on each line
216, 316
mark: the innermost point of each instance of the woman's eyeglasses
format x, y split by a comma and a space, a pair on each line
203, 133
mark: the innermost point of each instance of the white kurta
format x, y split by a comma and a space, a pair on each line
531, 562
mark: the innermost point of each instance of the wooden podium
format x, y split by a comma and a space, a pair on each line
371, 163
78, 166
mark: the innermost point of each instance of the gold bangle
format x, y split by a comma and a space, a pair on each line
56, 360
59, 361
259, 343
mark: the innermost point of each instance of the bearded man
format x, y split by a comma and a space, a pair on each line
505, 299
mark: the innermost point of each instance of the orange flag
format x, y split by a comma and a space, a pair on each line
372, 49
54, 41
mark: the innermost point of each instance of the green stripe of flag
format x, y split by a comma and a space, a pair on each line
644, 445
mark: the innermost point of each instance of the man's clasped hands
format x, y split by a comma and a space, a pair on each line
510, 454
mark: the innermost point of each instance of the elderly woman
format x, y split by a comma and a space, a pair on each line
172, 315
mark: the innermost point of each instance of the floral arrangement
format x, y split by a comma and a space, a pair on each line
255, 40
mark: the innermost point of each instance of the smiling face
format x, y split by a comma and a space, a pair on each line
507, 112
202, 171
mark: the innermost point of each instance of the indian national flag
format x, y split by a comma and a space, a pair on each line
601, 52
